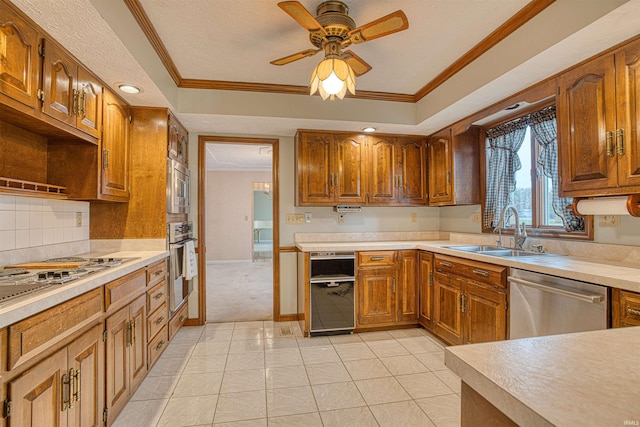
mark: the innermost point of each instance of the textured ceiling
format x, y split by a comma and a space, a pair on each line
234, 40
238, 157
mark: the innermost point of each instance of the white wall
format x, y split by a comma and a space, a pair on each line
229, 224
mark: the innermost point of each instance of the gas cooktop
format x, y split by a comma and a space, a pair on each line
18, 282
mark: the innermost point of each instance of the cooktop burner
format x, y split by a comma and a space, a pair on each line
17, 282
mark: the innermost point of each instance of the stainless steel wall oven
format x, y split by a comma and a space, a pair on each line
178, 183
179, 233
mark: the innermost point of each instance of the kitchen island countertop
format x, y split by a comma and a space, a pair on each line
586, 378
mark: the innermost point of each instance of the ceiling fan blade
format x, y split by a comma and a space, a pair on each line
296, 56
356, 63
302, 16
392, 23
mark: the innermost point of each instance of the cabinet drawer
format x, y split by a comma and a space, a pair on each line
376, 258
494, 275
156, 273
178, 319
29, 337
157, 346
156, 296
157, 320
120, 292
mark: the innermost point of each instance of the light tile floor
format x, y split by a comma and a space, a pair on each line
259, 373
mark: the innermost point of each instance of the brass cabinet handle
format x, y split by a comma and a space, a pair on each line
337, 180
181, 319
400, 181
74, 108
82, 103
332, 181
376, 258
133, 331
66, 392
449, 177
393, 285
481, 273
620, 142
633, 311
128, 336
160, 344
431, 278
158, 296
610, 152
463, 303
75, 385
105, 159
160, 320
446, 264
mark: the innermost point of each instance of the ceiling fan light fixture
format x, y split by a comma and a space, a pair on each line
332, 77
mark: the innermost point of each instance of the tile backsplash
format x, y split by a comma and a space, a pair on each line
28, 222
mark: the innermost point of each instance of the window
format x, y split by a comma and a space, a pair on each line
521, 169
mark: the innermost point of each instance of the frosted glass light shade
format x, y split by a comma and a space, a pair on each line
332, 77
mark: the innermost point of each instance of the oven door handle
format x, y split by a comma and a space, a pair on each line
591, 298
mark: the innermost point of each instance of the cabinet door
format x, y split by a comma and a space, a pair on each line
138, 349
315, 178
117, 361
19, 61
628, 116
412, 173
115, 149
86, 359
440, 164
376, 296
382, 179
60, 72
36, 395
89, 102
426, 289
586, 128
407, 289
625, 308
485, 314
350, 157
447, 315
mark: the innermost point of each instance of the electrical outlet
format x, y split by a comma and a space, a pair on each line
341, 218
609, 221
307, 217
475, 218
78, 219
294, 219
414, 217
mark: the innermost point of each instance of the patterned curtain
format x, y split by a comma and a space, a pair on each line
543, 126
503, 141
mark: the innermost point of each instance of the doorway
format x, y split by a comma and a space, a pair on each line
237, 222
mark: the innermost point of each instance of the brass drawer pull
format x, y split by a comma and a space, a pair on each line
160, 344
181, 319
620, 142
633, 311
160, 320
446, 264
158, 296
159, 272
481, 273
377, 258
610, 145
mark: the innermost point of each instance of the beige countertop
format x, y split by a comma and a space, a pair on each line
20, 308
586, 378
608, 273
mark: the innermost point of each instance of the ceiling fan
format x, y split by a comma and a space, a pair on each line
333, 30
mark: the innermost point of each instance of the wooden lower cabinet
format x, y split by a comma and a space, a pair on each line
470, 301
386, 292
625, 308
126, 361
65, 389
425, 289
177, 320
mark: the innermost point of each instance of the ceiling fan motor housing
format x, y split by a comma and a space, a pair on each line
333, 16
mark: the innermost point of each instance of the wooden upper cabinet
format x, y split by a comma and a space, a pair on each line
454, 168
330, 169
71, 94
382, 183
412, 171
115, 149
375, 170
177, 140
598, 110
349, 166
19, 61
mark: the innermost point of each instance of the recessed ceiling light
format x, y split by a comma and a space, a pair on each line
128, 88
369, 129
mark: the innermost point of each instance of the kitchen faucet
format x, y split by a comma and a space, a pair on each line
519, 234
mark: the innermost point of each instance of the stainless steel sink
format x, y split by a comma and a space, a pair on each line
480, 248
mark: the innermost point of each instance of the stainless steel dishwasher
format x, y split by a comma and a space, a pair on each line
541, 304
332, 302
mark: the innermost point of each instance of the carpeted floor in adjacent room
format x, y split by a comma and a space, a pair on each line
239, 291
